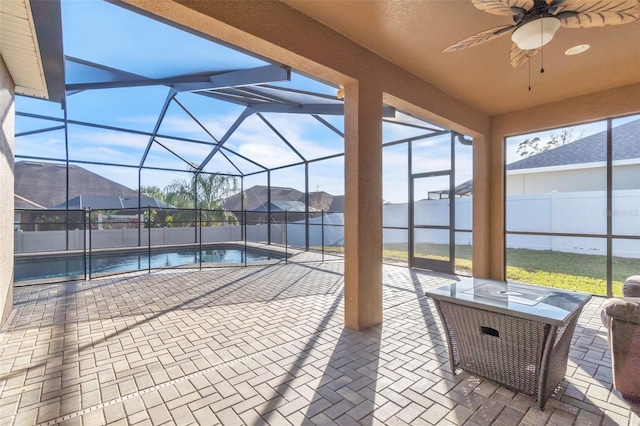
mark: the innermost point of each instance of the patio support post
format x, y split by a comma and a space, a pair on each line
488, 249
363, 205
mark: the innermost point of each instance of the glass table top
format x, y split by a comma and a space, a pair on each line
539, 303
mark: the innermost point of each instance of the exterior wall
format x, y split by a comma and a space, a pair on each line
7, 119
588, 179
626, 177
561, 181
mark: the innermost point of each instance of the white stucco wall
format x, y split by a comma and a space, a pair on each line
7, 120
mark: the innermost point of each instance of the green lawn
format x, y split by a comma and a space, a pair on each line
555, 269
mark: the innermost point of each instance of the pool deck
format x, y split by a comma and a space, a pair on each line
266, 344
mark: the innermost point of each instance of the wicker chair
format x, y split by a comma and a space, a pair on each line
621, 316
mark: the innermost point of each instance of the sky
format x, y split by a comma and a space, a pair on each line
107, 34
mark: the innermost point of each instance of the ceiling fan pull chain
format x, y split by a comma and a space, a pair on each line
541, 48
529, 72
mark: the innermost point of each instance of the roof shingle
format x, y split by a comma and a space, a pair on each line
590, 149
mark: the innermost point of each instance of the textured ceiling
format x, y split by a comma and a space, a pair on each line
413, 34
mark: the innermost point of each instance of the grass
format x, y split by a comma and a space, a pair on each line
569, 271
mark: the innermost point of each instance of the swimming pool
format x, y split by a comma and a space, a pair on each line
43, 267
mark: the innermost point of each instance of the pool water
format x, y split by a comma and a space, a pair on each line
35, 268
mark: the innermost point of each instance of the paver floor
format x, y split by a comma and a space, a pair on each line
265, 345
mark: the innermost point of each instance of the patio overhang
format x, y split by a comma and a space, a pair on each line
34, 58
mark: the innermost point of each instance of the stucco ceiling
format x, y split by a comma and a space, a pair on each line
413, 34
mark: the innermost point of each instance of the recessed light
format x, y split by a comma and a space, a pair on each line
575, 50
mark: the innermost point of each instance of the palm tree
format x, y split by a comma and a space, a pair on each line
153, 192
203, 191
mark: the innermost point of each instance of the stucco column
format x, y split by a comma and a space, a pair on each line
488, 208
363, 206
480, 223
7, 119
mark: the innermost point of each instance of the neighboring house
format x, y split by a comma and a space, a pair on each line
462, 190
295, 212
337, 204
114, 202
45, 185
281, 206
22, 218
574, 167
256, 196
580, 165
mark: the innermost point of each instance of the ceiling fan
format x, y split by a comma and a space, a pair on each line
536, 21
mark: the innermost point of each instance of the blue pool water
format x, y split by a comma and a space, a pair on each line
38, 268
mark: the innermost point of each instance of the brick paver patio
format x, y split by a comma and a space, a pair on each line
265, 345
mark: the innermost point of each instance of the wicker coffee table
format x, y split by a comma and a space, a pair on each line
515, 334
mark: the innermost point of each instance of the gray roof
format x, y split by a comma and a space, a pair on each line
463, 189
45, 184
106, 202
337, 204
590, 149
256, 196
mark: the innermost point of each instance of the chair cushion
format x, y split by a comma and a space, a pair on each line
631, 287
622, 309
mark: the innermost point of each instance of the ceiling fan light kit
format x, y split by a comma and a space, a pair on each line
535, 34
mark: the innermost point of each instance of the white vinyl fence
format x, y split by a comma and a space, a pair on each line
577, 213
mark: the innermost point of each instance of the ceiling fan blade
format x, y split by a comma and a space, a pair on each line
591, 6
502, 7
597, 19
479, 38
518, 56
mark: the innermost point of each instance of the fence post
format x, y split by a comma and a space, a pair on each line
200, 237
286, 251
553, 220
244, 212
